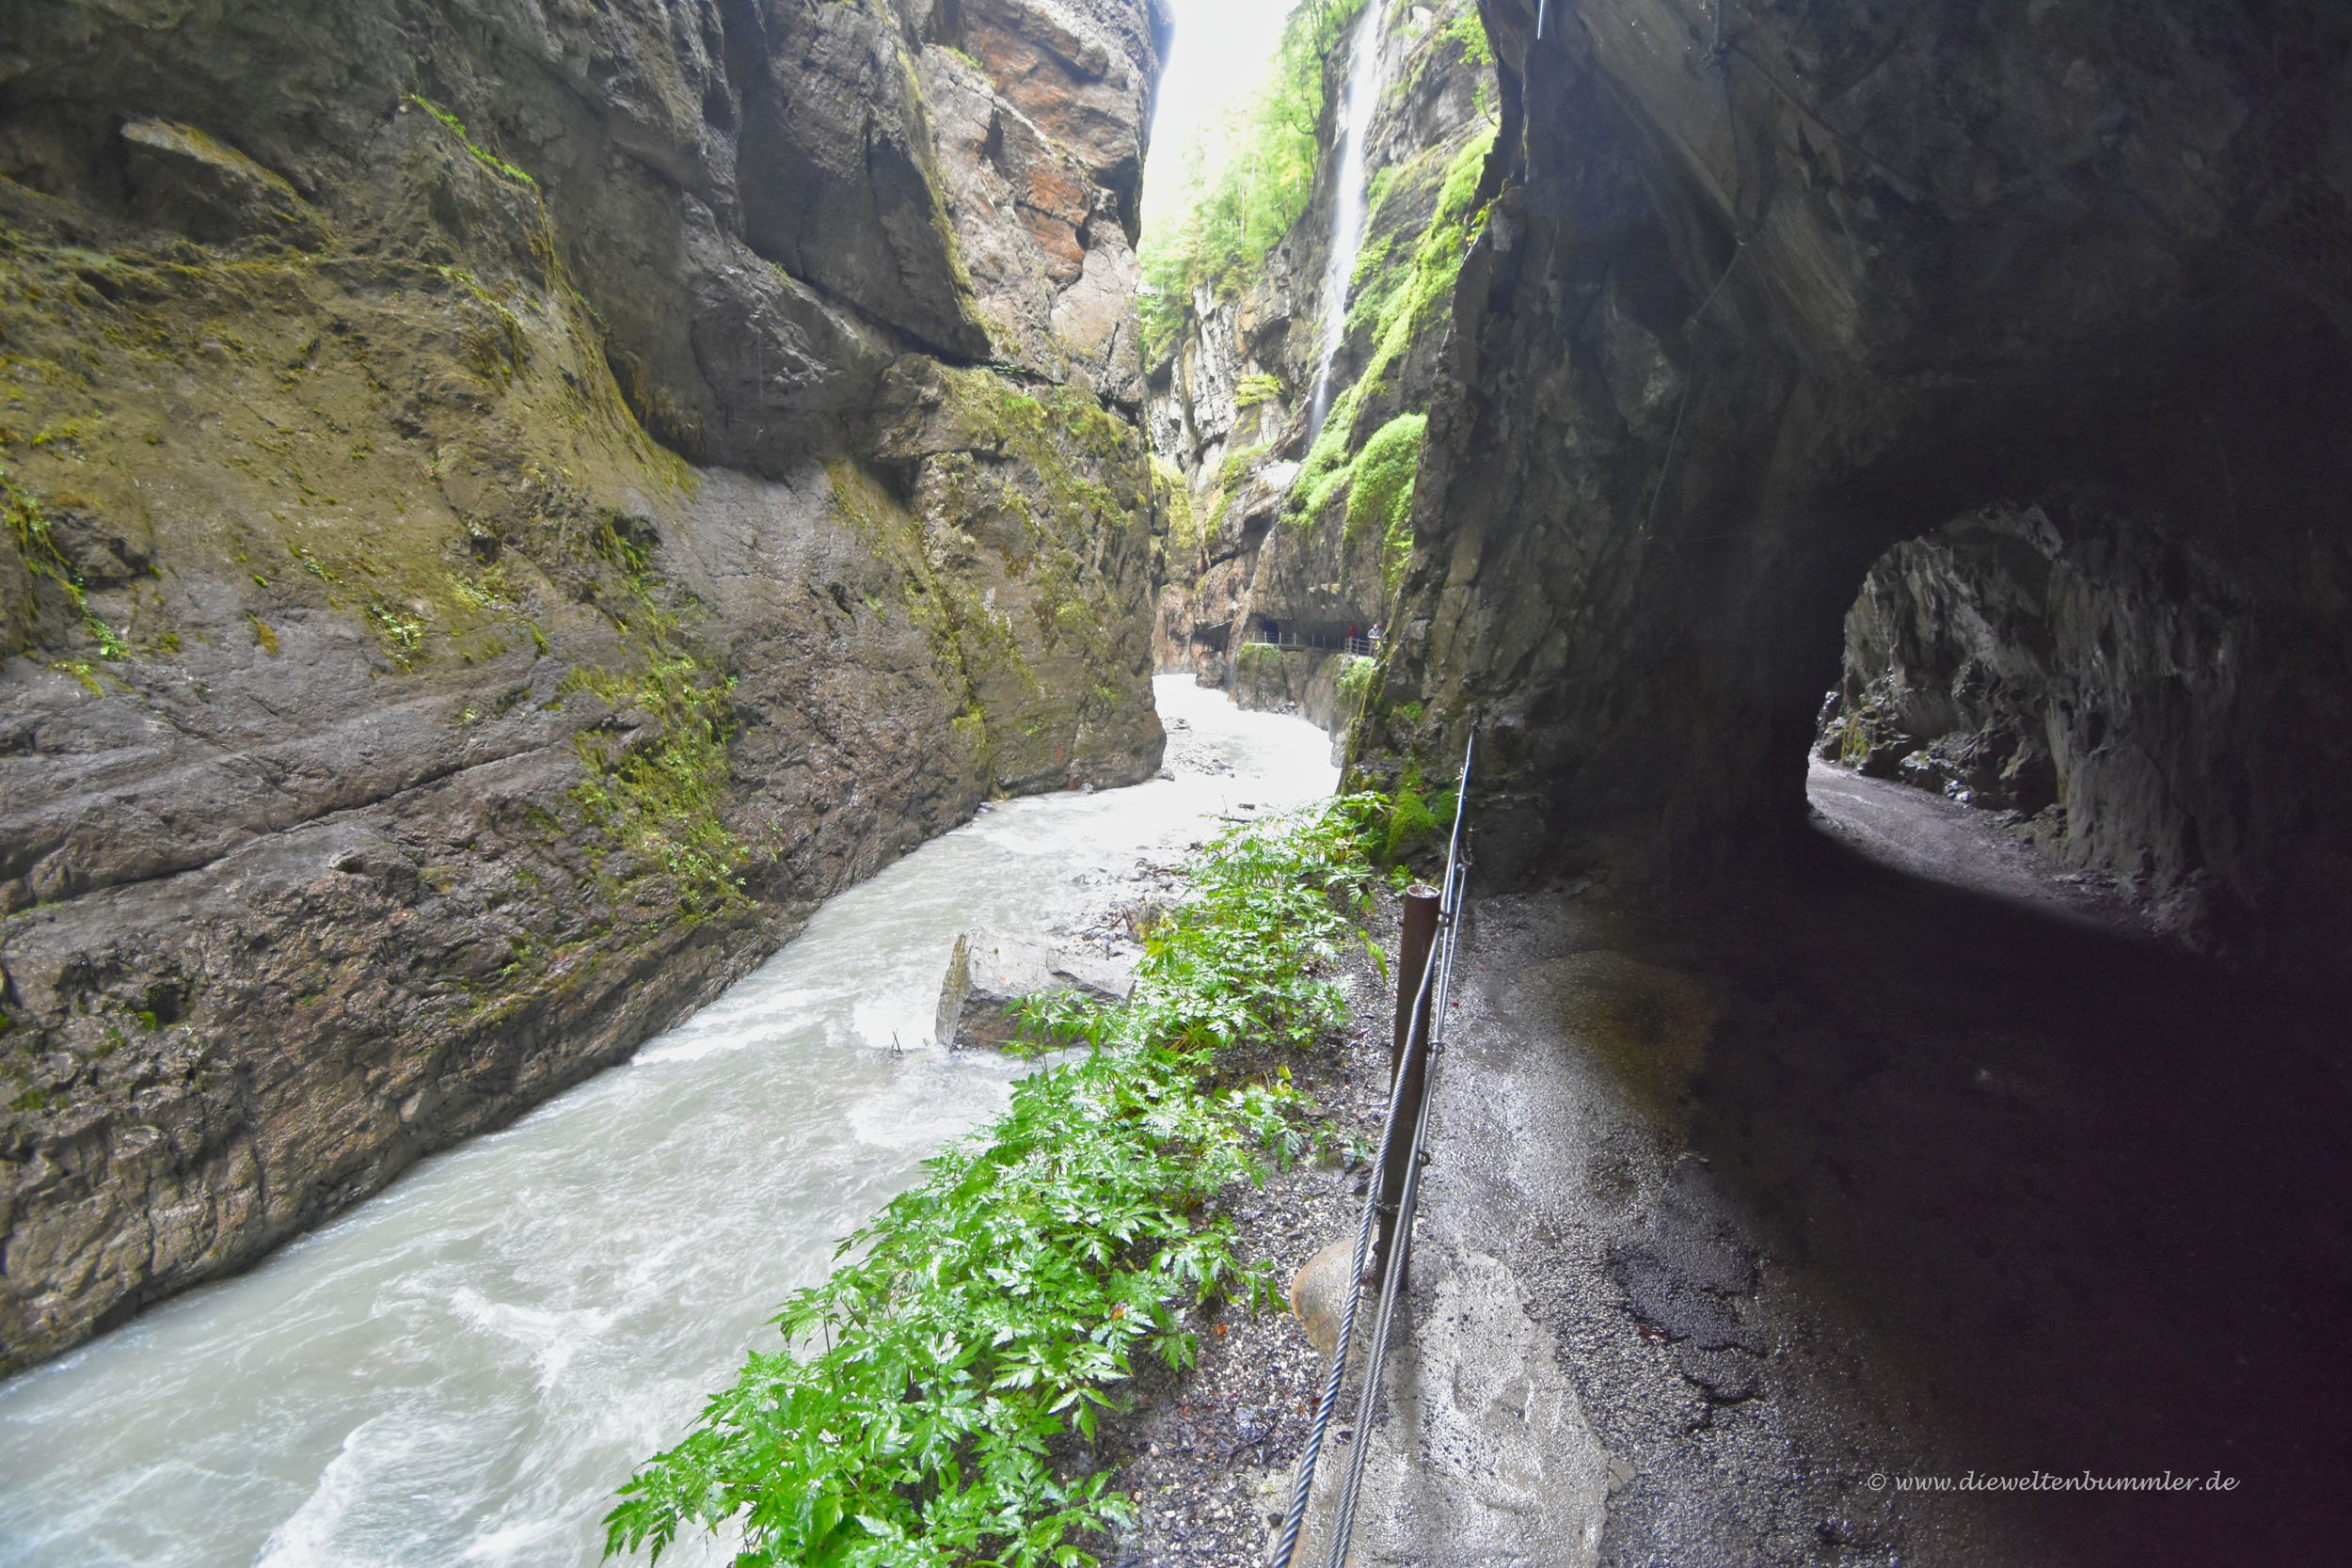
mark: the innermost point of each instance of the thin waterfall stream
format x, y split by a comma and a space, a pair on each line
464, 1367
1348, 203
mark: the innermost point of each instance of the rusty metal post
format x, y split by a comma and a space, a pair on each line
1413, 947
1408, 1056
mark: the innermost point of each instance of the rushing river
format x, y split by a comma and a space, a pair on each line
462, 1370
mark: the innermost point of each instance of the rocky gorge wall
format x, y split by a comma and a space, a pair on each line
1281, 527
2097, 681
1767, 290
509, 509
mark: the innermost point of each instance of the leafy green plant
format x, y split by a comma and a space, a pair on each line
28, 530
1470, 33
923, 1411
457, 128
402, 635
110, 642
1357, 674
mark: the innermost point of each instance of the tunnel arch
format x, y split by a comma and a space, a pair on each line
1664, 464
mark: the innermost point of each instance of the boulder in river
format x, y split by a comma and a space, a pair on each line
986, 974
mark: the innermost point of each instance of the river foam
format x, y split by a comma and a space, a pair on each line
462, 1368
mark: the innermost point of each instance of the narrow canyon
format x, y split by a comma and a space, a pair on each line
563, 555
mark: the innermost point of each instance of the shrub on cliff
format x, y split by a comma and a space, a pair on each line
915, 1415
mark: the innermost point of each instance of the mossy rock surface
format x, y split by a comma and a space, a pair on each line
1313, 518
466, 603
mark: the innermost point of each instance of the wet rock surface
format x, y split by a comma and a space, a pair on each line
1231, 403
2006, 661
1786, 1214
2007, 1171
505, 520
1896, 827
1535, 1409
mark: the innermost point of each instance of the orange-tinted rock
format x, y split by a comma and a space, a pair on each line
1062, 76
1053, 208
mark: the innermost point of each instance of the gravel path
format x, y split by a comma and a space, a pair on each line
1918, 1163
1916, 833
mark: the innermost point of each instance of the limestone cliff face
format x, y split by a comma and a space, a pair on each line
1265, 541
1770, 288
509, 509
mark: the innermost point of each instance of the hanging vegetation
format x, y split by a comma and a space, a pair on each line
1247, 179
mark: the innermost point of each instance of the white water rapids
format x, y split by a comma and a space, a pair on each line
1347, 201
463, 1369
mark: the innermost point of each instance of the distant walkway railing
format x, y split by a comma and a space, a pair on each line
1363, 647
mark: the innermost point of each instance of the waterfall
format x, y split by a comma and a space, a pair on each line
1347, 201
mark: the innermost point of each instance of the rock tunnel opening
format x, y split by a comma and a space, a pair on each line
1323, 633
2056, 731
2122, 686
1946, 679
1976, 667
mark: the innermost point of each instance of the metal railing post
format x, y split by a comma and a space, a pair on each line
1408, 1063
1404, 1132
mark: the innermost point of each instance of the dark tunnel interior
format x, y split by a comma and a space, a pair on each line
2085, 1180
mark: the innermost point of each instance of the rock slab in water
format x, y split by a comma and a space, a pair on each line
986, 974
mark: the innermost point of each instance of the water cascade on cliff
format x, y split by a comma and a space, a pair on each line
1347, 202
463, 1369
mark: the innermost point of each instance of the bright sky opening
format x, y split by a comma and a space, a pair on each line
1219, 56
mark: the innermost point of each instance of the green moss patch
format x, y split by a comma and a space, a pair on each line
660, 795
1173, 496
457, 128
1396, 306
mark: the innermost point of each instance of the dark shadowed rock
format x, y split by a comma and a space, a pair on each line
1745, 316
185, 180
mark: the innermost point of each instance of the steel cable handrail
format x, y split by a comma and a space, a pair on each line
1439, 975
1329, 1403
